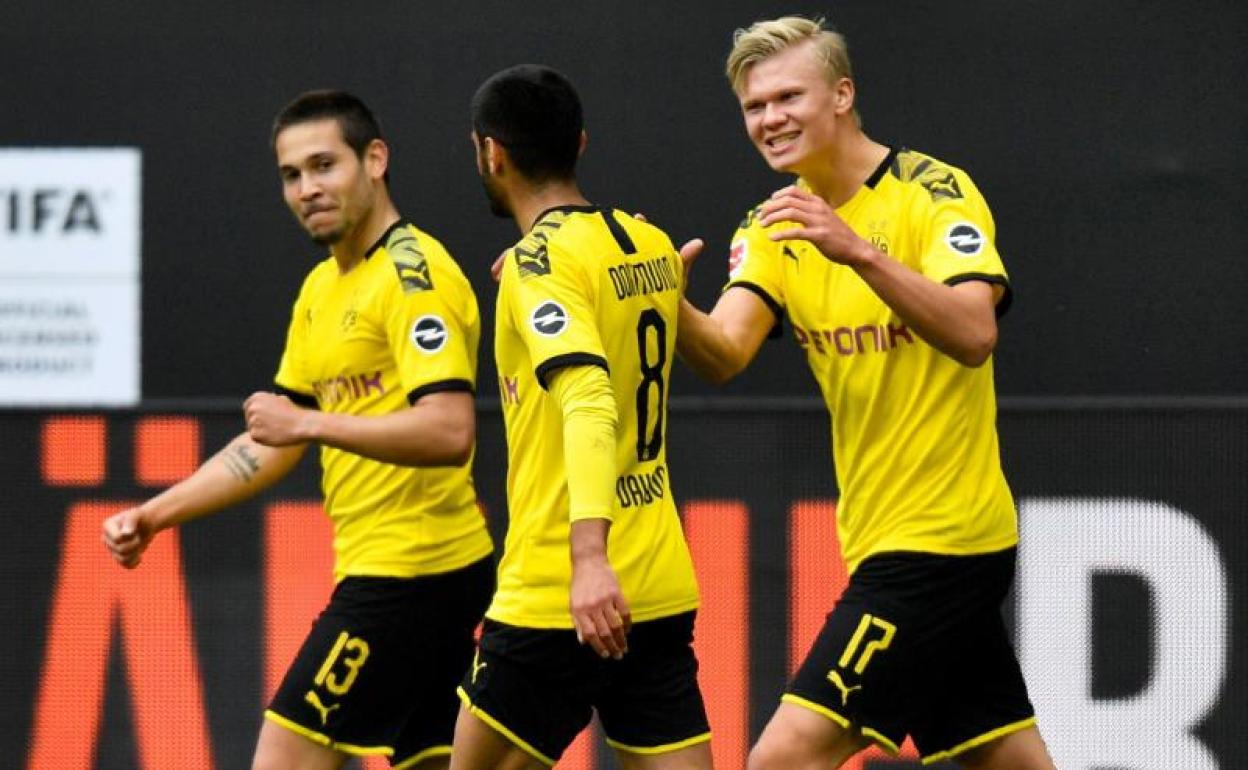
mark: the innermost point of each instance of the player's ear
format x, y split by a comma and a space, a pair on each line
494, 153
376, 159
844, 99
580, 150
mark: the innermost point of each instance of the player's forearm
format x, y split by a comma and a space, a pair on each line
703, 345
439, 430
238, 472
958, 322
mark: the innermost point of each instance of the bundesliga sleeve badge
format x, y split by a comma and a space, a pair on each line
965, 238
429, 334
549, 319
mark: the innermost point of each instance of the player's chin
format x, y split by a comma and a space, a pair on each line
782, 163
326, 236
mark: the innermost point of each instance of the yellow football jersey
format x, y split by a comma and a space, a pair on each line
913, 431
589, 286
401, 324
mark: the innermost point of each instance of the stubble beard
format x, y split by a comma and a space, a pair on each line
329, 238
498, 206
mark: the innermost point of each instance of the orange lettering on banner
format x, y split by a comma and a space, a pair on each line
162, 670
816, 573
817, 579
298, 579
72, 451
719, 540
166, 449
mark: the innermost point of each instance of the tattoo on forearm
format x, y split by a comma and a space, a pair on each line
241, 462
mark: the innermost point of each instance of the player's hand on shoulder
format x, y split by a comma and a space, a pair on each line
689, 253
599, 611
273, 420
126, 535
496, 269
816, 222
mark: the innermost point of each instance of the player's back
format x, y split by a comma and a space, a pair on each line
589, 286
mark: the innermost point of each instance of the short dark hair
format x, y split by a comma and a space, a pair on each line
359, 127
535, 113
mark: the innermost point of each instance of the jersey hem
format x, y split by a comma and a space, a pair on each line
470, 556
818, 708
325, 740
568, 359
918, 546
810, 705
305, 400
980, 740
502, 729
1007, 298
421, 756
441, 386
665, 748
564, 622
771, 302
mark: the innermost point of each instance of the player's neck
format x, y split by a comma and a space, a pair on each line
353, 248
844, 169
529, 203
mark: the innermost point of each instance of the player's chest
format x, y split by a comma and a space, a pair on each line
835, 314
345, 333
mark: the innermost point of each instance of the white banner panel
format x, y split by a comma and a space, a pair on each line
70, 234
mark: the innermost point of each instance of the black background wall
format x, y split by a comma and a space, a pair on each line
1109, 138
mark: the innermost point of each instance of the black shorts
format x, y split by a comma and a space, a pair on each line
917, 646
377, 673
538, 687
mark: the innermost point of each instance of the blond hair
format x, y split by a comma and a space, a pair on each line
764, 39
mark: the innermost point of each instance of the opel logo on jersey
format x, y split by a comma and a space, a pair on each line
549, 319
965, 238
429, 333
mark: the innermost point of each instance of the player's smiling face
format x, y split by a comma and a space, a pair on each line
789, 107
323, 181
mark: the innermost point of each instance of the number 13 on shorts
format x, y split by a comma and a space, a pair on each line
354, 652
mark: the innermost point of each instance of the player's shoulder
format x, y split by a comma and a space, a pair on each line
647, 236
555, 237
530, 256
750, 221
416, 260
939, 180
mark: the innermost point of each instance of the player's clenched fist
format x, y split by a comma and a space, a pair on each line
127, 534
272, 420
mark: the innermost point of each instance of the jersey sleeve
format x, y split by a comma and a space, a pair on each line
755, 264
589, 424
555, 315
431, 328
292, 380
958, 242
